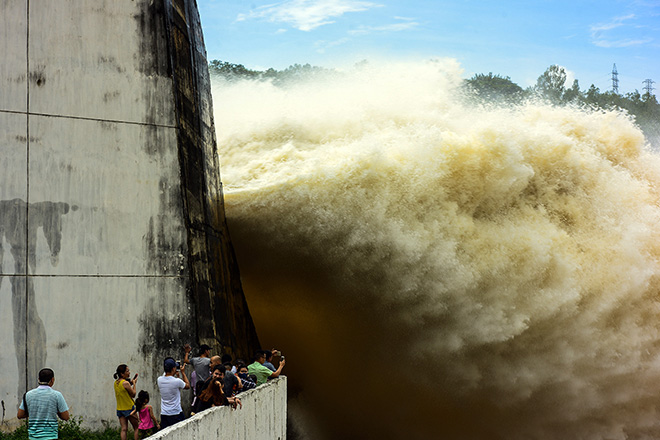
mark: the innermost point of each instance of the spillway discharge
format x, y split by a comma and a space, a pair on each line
435, 268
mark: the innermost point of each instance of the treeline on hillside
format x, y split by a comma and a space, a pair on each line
550, 87
294, 73
488, 89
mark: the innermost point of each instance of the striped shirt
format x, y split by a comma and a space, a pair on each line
44, 403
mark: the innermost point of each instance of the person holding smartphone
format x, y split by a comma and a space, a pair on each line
170, 386
125, 392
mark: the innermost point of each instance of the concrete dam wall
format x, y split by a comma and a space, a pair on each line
113, 240
262, 417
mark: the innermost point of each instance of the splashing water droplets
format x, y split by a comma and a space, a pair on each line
498, 267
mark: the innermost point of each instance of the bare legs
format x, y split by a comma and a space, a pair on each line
123, 422
135, 422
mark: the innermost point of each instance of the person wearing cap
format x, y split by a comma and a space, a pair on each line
43, 405
200, 363
170, 386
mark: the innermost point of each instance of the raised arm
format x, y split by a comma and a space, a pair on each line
186, 357
185, 379
131, 387
277, 372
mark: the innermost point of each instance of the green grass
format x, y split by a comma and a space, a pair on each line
70, 430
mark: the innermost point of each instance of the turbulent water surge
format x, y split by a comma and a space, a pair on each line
435, 270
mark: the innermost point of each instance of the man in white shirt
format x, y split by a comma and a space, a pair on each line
170, 387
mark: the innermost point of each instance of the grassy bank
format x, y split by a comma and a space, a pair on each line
70, 430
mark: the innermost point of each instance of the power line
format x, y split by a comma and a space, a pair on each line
648, 86
615, 80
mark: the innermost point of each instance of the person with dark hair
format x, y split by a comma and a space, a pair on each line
148, 422
263, 373
238, 362
124, 393
200, 363
230, 383
170, 387
213, 394
42, 406
269, 357
246, 380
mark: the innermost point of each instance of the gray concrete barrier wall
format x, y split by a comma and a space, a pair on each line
113, 241
263, 417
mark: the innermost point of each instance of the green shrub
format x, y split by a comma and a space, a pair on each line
70, 430
19, 434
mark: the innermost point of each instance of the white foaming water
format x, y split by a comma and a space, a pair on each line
434, 270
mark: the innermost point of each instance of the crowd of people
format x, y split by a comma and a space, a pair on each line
214, 381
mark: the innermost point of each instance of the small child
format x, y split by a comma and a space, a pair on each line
148, 423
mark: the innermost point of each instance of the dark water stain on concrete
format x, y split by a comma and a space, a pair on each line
38, 76
109, 96
162, 331
111, 63
152, 58
164, 244
166, 324
19, 224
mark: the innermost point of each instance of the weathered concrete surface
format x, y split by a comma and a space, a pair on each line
263, 417
113, 241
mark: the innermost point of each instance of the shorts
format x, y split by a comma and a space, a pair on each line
166, 420
125, 413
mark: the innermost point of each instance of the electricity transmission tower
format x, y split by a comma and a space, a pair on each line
648, 87
615, 80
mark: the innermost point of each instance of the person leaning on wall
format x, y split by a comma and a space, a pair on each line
263, 373
42, 406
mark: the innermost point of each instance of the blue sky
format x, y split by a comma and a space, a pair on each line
515, 38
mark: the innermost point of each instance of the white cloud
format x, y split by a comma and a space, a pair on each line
615, 23
570, 77
307, 15
394, 27
618, 32
622, 43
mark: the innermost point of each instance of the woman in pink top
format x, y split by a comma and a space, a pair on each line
148, 422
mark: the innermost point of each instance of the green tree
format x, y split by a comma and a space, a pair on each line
299, 73
296, 72
550, 85
573, 94
592, 95
232, 71
490, 88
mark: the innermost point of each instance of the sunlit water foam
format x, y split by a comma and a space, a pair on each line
435, 269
